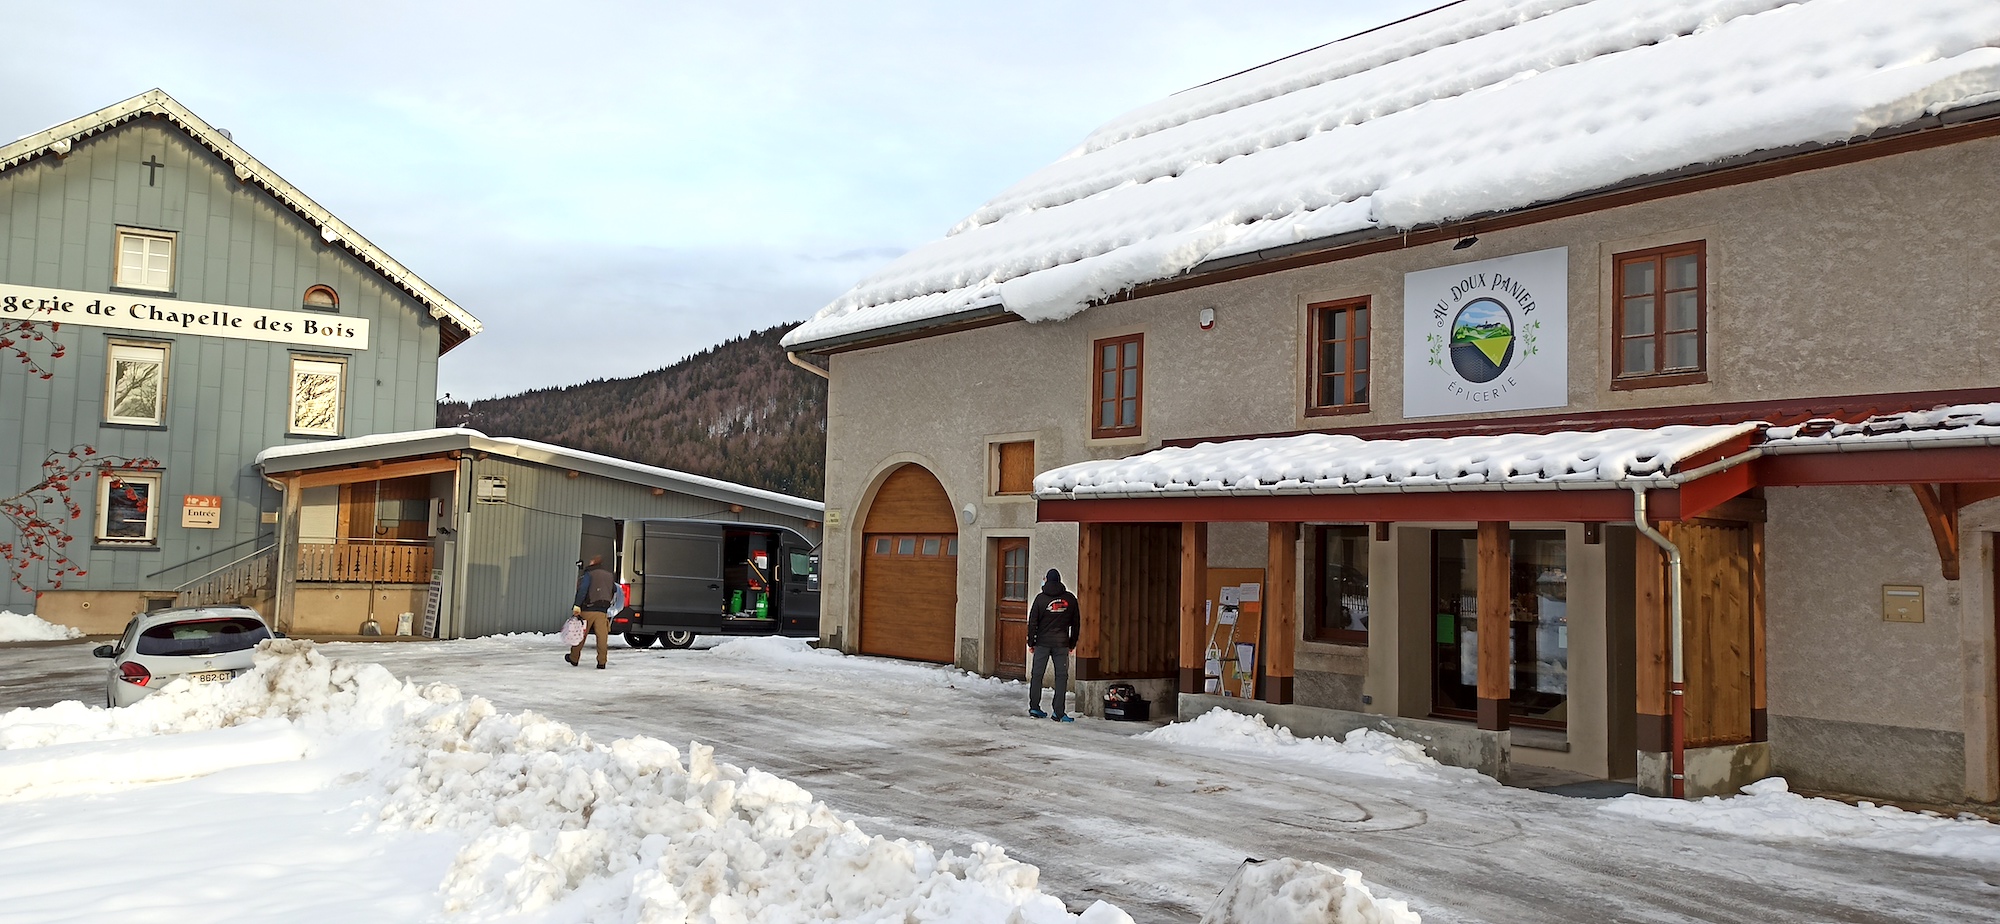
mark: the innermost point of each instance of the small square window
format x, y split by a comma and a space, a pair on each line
931, 544
145, 260
135, 383
906, 545
315, 406
1014, 467
126, 512
882, 545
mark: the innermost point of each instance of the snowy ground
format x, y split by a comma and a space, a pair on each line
1155, 824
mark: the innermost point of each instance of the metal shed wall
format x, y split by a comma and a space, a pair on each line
226, 397
520, 568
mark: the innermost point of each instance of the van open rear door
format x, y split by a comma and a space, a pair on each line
600, 538
683, 575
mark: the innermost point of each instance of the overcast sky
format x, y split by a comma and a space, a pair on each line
613, 186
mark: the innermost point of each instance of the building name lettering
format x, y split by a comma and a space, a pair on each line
62, 307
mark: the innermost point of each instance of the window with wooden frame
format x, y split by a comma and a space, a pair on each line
920, 546
1118, 363
1660, 320
127, 508
1340, 585
145, 260
135, 383
1337, 369
1014, 467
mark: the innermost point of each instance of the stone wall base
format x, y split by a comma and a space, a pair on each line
1716, 771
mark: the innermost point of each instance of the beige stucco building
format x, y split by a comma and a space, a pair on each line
1489, 591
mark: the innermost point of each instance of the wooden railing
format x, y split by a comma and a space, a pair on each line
354, 563
240, 580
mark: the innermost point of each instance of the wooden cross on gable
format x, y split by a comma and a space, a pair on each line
152, 165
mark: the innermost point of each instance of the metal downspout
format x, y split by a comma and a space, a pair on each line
1677, 679
809, 367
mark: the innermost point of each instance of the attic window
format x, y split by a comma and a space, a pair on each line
322, 298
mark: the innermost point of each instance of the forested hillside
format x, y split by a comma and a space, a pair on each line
738, 411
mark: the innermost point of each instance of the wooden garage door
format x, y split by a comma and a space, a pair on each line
909, 570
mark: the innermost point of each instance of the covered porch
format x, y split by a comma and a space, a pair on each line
358, 545
1522, 588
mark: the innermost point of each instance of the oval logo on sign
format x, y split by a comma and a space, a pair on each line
1482, 340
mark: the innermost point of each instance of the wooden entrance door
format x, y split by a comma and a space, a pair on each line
1010, 606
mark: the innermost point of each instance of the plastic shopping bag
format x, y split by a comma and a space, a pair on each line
573, 631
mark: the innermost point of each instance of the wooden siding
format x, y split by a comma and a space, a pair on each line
1139, 620
1718, 634
225, 398
1717, 631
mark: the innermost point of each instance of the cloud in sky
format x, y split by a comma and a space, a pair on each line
612, 186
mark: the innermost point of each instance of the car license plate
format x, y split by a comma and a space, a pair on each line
212, 676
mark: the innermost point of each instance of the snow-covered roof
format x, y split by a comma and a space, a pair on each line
1338, 463
1952, 425
424, 442
58, 140
1479, 107
1334, 463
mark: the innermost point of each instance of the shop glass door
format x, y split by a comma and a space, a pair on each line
1538, 623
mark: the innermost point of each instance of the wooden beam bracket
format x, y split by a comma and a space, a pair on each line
1941, 505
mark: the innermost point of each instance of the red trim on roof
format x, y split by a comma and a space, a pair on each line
1786, 412
1956, 465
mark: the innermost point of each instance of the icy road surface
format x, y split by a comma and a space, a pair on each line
1155, 828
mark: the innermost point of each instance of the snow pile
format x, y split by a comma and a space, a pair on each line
1768, 808
1364, 750
27, 627
1478, 107
1288, 891
549, 820
1316, 463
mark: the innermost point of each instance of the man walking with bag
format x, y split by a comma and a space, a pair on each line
1052, 630
594, 590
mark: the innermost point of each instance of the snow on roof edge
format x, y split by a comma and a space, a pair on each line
58, 139
513, 447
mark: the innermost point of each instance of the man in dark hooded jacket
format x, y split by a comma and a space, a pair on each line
595, 587
1051, 636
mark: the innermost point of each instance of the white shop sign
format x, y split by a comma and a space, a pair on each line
153, 314
1487, 336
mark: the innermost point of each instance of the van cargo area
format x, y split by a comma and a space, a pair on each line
688, 578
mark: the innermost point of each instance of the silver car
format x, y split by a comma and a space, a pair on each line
209, 644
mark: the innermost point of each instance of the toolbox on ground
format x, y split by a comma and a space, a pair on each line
1122, 704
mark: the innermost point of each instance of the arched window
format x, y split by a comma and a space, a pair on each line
322, 298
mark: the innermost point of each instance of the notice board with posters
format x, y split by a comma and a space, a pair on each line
1234, 625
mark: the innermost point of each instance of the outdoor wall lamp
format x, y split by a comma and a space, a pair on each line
1465, 242
1207, 318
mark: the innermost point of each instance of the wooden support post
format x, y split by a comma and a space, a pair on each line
284, 589
1759, 725
1654, 731
1090, 600
1194, 590
1281, 612
1495, 626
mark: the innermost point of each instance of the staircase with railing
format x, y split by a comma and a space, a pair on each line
243, 582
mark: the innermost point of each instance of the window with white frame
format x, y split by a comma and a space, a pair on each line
135, 383
315, 406
145, 260
127, 511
